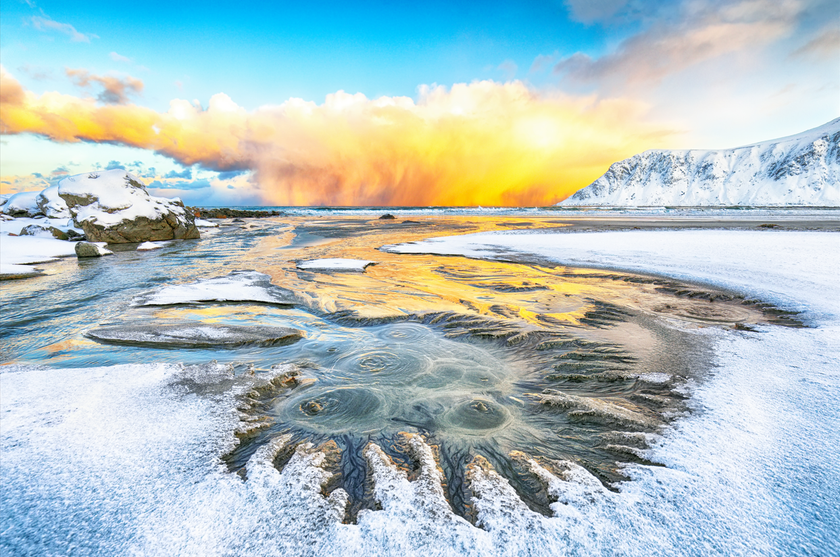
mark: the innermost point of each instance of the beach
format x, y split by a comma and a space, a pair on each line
473, 383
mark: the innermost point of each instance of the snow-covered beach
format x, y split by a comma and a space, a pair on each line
125, 458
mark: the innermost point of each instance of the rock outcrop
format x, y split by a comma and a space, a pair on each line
113, 206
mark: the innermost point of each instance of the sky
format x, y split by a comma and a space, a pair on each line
341, 103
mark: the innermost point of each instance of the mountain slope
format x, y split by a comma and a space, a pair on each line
802, 169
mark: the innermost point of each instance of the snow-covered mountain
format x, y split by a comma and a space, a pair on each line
802, 169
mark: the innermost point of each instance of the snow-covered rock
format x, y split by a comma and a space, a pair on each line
23, 204
51, 204
113, 206
802, 169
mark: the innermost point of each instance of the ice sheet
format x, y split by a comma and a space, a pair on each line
335, 264
238, 286
148, 246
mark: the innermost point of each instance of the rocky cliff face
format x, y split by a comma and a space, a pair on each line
803, 169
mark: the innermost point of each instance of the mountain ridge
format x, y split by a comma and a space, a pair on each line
797, 170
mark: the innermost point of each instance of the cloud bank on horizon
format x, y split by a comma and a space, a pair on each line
624, 78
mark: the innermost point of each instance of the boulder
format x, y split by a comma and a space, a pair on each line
51, 204
91, 249
113, 206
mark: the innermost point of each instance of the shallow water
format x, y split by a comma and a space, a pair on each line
481, 357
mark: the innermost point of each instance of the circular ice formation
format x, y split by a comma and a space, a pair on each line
385, 366
337, 409
474, 415
405, 332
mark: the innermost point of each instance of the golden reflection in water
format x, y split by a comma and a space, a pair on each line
530, 296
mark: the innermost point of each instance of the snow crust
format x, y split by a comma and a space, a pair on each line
18, 251
238, 286
120, 196
335, 264
802, 169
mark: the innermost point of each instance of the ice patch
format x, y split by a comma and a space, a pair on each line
238, 286
148, 246
203, 335
206, 223
335, 264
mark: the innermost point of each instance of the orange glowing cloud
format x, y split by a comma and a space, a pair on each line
483, 143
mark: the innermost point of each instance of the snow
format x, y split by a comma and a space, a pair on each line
238, 286
16, 251
335, 264
148, 246
803, 169
120, 196
206, 223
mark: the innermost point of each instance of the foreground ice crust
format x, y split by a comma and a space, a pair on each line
125, 461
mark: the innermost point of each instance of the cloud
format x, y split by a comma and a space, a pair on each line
482, 143
114, 89
115, 165
508, 68
15, 184
697, 31
231, 174
120, 58
192, 185
186, 174
825, 45
35, 72
541, 62
590, 11
46, 24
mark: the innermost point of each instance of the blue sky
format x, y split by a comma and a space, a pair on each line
699, 73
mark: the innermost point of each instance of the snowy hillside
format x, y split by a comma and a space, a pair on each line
802, 169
